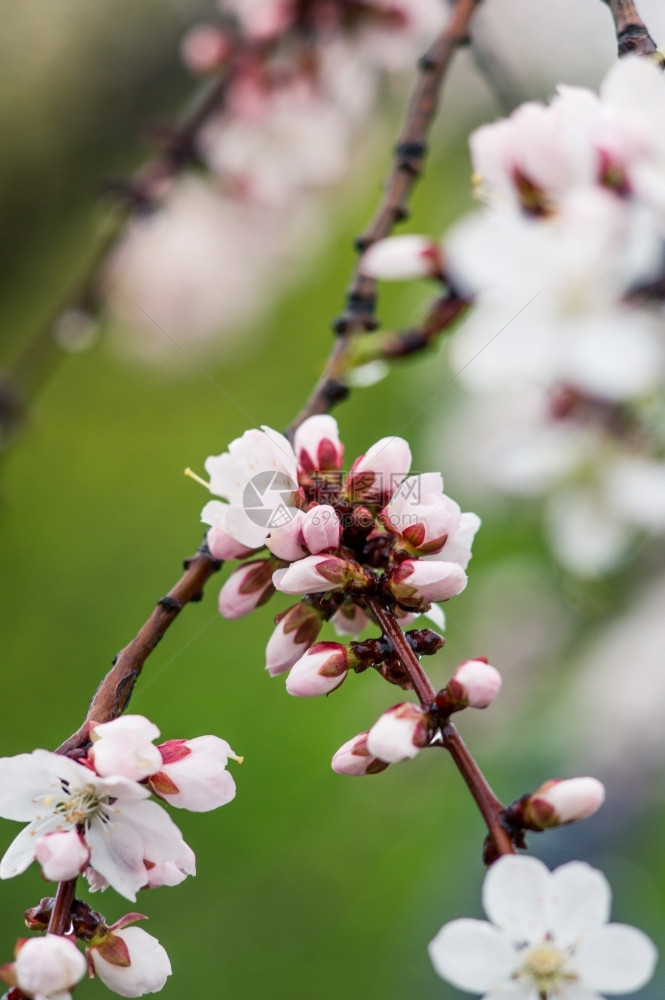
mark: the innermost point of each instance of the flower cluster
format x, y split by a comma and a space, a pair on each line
565, 267
548, 937
93, 816
300, 81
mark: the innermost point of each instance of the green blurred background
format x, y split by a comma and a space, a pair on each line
309, 884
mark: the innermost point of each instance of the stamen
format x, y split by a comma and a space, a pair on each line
192, 475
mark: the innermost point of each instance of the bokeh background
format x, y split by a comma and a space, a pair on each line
309, 884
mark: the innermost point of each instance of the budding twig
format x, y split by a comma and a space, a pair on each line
61, 913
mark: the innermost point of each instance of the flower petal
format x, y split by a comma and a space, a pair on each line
473, 955
578, 900
161, 838
616, 958
23, 779
514, 894
21, 852
116, 852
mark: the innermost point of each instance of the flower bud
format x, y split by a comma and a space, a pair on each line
321, 529
130, 962
317, 445
193, 773
63, 854
222, 545
402, 257
355, 759
285, 541
475, 684
557, 802
47, 966
294, 633
422, 514
417, 582
399, 734
204, 48
376, 475
124, 747
317, 575
247, 588
320, 670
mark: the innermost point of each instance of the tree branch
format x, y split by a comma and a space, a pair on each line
631, 31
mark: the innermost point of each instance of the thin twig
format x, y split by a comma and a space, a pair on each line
62, 907
410, 152
631, 31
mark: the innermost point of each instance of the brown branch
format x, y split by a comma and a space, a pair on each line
113, 694
62, 906
392, 630
410, 152
631, 31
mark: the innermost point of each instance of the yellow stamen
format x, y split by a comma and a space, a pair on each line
192, 475
239, 759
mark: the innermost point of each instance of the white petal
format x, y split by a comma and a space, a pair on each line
149, 965
473, 955
116, 852
514, 896
162, 840
22, 780
21, 852
578, 899
514, 991
616, 958
436, 615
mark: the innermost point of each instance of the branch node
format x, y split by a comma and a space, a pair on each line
171, 603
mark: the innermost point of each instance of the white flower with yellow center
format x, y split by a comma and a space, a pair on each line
548, 938
119, 826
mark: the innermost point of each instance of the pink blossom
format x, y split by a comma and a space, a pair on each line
130, 962
421, 513
204, 48
170, 872
319, 671
124, 747
222, 545
193, 774
475, 683
349, 619
63, 854
557, 802
294, 633
321, 529
317, 445
416, 582
400, 733
247, 588
402, 257
354, 759
285, 541
317, 575
48, 966
377, 474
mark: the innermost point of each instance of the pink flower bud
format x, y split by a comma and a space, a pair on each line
402, 257
417, 582
48, 966
286, 541
399, 734
63, 854
317, 575
193, 774
295, 632
422, 514
320, 670
355, 759
124, 747
204, 48
222, 545
321, 529
475, 683
130, 962
247, 588
376, 475
170, 872
349, 619
557, 802
317, 445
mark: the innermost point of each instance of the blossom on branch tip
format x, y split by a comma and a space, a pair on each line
563, 801
63, 854
130, 961
475, 683
322, 669
193, 774
547, 937
354, 758
44, 967
422, 515
377, 474
402, 257
52, 793
399, 734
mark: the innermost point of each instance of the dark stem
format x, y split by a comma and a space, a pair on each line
490, 807
410, 151
61, 913
631, 31
113, 694
488, 804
